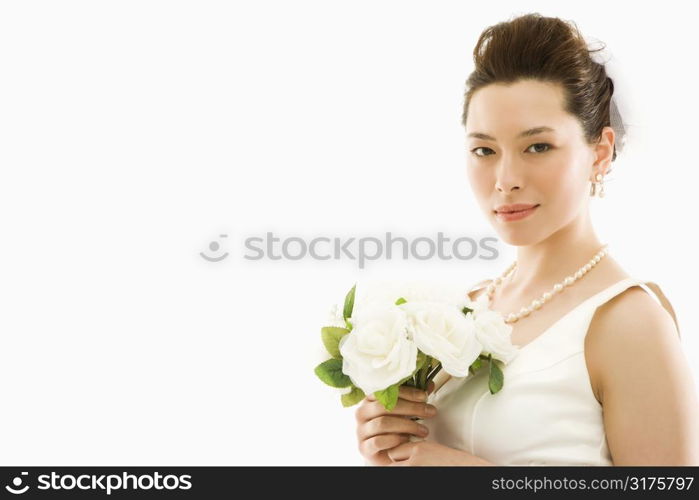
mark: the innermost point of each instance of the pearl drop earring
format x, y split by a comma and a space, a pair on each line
599, 179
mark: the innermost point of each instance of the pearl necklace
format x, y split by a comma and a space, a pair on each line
546, 296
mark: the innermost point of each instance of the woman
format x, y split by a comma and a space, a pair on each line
600, 377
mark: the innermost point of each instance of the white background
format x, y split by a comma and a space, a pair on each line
134, 133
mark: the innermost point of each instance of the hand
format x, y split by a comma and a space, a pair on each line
431, 453
379, 430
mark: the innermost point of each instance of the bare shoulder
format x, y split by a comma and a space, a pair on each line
635, 308
478, 289
631, 328
642, 379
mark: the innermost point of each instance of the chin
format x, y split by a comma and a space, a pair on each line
518, 239
520, 234
516, 236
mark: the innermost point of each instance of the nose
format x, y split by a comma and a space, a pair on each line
508, 177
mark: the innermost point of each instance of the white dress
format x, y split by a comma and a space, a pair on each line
546, 413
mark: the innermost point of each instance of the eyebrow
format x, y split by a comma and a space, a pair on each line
526, 133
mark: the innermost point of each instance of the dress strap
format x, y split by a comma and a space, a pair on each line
479, 285
652, 288
663, 302
593, 303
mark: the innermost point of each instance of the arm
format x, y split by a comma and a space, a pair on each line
651, 412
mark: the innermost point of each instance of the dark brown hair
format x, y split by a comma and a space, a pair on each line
547, 49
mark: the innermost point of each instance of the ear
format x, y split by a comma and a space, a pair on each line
604, 151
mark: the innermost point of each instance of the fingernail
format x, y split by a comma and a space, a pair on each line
424, 430
431, 410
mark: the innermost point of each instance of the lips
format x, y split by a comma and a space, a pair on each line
517, 207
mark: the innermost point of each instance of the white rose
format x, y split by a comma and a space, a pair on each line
442, 331
377, 353
494, 334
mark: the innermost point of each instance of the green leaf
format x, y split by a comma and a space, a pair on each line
331, 336
400, 301
466, 310
421, 360
388, 397
330, 372
496, 378
476, 365
422, 369
349, 303
352, 398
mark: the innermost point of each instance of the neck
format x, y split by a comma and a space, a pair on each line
553, 259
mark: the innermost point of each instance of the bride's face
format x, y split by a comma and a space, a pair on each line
549, 168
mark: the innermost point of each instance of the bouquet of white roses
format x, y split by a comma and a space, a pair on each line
386, 344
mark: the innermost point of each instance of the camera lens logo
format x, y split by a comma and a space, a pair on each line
214, 246
17, 482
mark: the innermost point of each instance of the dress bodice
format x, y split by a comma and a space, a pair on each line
546, 413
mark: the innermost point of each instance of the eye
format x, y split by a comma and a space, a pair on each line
481, 147
548, 146
537, 145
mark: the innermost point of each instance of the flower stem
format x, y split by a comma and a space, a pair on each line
422, 375
432, 374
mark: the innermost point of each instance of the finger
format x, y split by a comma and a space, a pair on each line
386, 424
401, 452
430, 387
405, 392
400, 463
412, 394
368, 411
382, 442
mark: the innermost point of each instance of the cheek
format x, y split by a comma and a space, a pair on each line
481, 180
564, 185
